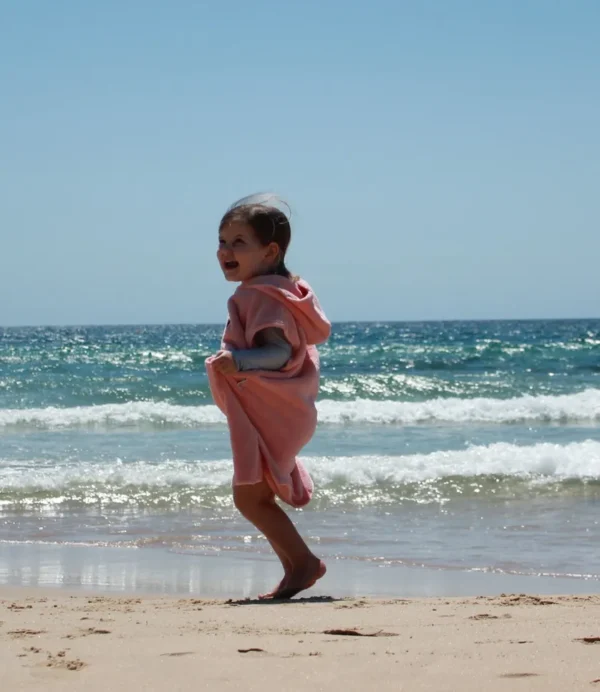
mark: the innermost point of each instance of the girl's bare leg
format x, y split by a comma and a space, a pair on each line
256, 502
287, 570
241, 498
285, 563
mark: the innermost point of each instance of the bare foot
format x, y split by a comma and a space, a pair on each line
280, 587
301, 579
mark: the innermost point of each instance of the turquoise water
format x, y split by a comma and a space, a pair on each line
468, 446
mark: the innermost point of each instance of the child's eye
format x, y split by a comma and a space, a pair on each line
238, 241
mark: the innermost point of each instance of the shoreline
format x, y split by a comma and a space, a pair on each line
231, 574
53, 640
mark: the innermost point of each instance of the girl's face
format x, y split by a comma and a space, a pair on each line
240, 254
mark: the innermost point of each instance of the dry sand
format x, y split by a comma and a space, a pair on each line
50, 640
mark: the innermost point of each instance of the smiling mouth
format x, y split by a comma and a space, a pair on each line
229, 266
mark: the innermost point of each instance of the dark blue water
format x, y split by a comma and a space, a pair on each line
87, 366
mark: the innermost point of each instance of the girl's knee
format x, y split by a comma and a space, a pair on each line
249, 498
240, 499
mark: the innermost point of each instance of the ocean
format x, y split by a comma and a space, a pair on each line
445, 450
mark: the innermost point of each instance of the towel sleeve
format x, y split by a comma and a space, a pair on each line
272, 351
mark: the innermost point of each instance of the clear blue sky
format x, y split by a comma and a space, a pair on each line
442, 157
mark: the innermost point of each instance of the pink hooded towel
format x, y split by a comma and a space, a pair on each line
272, 414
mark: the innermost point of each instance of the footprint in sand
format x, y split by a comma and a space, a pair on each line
60, 661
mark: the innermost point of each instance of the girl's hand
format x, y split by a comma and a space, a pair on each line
224, 363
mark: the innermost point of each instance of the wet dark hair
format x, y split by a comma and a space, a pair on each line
269, 223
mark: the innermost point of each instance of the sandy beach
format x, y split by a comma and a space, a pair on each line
52, 640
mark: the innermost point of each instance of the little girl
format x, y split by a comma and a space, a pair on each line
265, 379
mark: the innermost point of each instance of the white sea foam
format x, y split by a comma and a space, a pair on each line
581, 407
132, 414
542, 463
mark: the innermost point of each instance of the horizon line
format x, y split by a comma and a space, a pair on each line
334, 322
